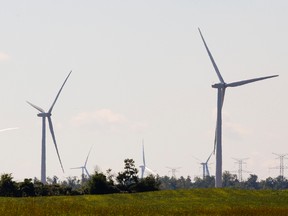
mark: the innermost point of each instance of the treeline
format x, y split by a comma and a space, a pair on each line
126, 181
228, 181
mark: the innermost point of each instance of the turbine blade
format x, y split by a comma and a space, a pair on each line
208, 158
243, 82
196, 158
76, 168
223, 96
51, 108
215, 139
151, 171
7, 129
36, 107
207, 170
54, 140
88, 156
211, 58
87, 172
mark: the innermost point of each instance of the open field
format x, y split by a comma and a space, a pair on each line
178, 202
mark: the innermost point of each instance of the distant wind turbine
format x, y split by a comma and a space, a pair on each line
221, 87
144, 167
84, 168
47, 115
205, 166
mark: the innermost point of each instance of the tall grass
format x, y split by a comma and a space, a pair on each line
178, 202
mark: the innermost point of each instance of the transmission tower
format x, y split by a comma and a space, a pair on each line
282, 166
173, 170
240, 162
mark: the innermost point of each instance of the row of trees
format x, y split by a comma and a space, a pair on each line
98, 183
127, 181
228, 181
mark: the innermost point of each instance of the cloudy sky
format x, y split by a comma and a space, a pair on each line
140, 71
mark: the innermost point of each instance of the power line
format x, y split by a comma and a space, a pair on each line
240, 163
281, 167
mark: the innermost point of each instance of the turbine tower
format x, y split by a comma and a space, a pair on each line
47, 115
282, 166
143, 167
240, 162
83, 168
221, 87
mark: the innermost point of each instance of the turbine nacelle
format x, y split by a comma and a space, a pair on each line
219, 85
44, 115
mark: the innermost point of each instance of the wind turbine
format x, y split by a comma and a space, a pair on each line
205, 166
47, 115
83, 168
144, 167
221, 87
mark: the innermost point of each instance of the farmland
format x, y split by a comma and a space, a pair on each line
169, 202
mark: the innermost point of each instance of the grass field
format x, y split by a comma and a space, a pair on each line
178, 202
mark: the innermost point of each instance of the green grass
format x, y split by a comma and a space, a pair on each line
178, 202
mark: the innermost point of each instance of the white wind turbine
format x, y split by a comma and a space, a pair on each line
144, 167
205, 166
221, 87
83, 168
47, 115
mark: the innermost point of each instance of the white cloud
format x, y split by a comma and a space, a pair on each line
101, 116
138, 127
4, 57
235, 129
231, 128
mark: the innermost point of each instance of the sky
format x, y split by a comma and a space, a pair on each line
140, 71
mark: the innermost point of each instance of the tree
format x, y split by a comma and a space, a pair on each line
110, 176
252, 182
98, 184
8, 187
27, 188
165, 183
207, 182
171, 183
229, 180
128, 178
149, 183
281, 183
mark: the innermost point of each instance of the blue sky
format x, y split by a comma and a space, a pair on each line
140, 71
